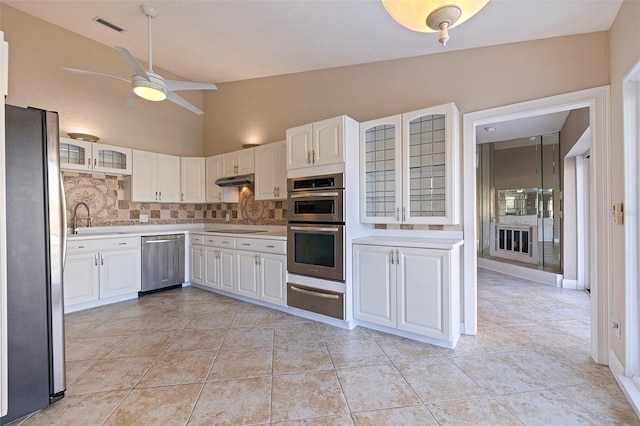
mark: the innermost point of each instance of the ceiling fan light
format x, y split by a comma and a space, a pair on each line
149, 89
420, 15
150, 93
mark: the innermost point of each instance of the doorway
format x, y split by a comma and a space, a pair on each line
597, 101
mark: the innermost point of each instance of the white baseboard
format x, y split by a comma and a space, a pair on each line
630, 386
569, 284
542, 277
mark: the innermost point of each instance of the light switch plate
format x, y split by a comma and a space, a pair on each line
144, 218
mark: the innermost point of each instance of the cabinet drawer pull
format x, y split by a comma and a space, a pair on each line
313, 156
308, 157
246, 244
404, 210
314, 293
95, 162
88, 162
225, 242
77, 247
120, 244
102, 259
397, 214
270, 246
96, 258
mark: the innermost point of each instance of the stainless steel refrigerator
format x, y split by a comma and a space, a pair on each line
36, 243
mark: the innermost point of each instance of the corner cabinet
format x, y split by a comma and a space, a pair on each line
86, 156
271, 172
412, 289
316, 144
409, 167
192, 180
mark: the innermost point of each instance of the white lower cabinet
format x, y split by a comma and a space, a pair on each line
81, 277
101, 269
196, 267
250, 267
406, 288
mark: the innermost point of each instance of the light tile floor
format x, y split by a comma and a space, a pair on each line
193, 357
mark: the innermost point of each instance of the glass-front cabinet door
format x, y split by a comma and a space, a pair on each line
75, 155
381, 170
111, 159
409, 167
430, 157
94, 157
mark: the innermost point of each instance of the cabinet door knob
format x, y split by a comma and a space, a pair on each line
397, 214
96, 259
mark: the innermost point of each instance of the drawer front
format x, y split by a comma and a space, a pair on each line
103, 244
217, 241
262, 245
319, 301
196, 239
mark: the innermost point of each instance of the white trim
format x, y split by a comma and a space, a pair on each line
630, 387
570, 284
631, 123
597, 100
531, 274
4, 369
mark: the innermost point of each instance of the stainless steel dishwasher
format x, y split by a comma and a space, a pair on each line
162, 262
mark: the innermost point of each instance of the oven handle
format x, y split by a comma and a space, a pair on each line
313, 228
314, 293
315, 194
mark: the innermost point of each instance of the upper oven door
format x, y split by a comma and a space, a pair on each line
316, 206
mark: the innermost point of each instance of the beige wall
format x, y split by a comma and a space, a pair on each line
88, 104
261, 110
624, 46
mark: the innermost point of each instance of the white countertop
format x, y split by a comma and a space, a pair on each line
271, 232
418, 242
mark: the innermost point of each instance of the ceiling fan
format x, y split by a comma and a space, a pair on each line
147, 84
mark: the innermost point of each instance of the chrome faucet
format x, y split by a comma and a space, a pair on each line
75, 217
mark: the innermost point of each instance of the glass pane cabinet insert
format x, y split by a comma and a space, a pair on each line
409, 167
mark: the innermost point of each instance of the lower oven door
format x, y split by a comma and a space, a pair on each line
316, 250
319, 301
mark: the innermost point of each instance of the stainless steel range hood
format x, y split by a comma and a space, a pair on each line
240, 180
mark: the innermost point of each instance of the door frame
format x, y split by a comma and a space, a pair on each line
597, 99
631, 136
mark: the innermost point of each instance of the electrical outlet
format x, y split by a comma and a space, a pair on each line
144, 218
618, 214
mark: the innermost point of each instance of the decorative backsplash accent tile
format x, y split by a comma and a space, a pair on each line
419, 227
104, 194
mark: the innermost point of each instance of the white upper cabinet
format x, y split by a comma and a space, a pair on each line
192, 179
94, 157
316, 144
215, 193
409, 167
155, 177
271, 172
238, 162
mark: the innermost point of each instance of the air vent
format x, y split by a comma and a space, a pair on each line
108, 24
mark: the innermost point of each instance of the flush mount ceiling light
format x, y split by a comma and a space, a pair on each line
83, 137
428, 16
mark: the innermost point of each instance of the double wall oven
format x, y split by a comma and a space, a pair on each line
316, 240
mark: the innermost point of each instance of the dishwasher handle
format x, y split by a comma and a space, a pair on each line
159, 241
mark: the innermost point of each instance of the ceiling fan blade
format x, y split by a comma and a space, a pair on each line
188, 85
93, 73
183, 103
132, 101
133, 63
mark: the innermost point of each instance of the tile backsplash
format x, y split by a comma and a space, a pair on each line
104, 194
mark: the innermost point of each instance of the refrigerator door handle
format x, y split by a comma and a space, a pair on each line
64, 223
